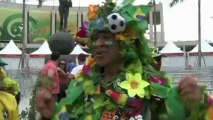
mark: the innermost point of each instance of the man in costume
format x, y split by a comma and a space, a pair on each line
119, 82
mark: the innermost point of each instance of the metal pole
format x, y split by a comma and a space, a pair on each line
199, 35
23, 35
155, 29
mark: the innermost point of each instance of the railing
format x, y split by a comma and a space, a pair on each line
26, 79
204, 76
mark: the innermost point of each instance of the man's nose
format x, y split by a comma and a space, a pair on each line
99, 42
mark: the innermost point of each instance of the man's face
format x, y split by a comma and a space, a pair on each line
106, 49
62, 64
57, 62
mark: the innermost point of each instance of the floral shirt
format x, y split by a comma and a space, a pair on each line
50, 70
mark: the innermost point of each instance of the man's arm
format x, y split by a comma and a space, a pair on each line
60, 71
70, 77
195, 99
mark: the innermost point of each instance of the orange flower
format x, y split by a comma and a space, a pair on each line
92, 11
90, 61
209, 115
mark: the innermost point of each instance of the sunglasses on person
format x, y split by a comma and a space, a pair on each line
62, 63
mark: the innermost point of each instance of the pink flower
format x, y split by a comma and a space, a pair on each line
86, 69
135, 103
157, 80
210, 100
136, 107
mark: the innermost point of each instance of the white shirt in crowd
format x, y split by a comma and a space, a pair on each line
76, 70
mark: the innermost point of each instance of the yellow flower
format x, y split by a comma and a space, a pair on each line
134, 85
88, 117
129, 33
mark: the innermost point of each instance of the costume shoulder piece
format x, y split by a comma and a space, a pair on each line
8, 107
139, 92
7, 84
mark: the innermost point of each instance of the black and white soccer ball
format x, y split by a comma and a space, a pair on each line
116, 23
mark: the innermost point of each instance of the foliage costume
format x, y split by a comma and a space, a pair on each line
139, 92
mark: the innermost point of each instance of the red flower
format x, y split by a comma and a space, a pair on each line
136, 106
86, 69
157, 80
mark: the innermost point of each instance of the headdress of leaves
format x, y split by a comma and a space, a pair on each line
135, 45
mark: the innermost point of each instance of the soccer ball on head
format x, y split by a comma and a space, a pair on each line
116, 23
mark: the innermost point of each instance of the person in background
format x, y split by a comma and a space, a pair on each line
15, 91
64, 82
70, 66
64, 13
47, 94
8, 91
76, 70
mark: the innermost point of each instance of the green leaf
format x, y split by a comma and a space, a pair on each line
109, 105
194, 112
160, 90
142, 25
88, 86
174, 106
95, 116
127, 16
135, 67
73, 92
168, 81
79, 110
98, 101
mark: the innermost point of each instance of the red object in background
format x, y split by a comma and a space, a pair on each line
82, 33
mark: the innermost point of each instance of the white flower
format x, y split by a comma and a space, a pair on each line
115, 117
138, 117
132, 118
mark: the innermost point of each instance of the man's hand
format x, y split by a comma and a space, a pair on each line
60, 71
189, 89
44, 103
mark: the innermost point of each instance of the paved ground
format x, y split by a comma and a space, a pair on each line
24, 103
